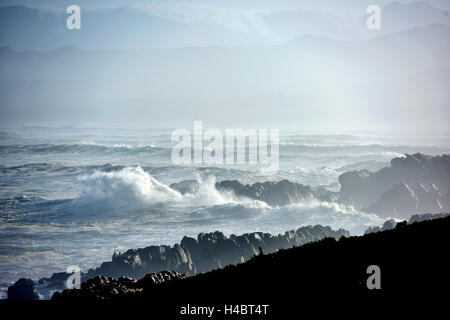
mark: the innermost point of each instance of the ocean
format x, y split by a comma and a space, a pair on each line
74, 196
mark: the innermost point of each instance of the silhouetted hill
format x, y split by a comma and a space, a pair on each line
298, 83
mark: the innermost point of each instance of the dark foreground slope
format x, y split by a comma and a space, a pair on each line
413, 260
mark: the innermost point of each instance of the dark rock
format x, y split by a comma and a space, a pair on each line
273, 193
23, 289
187, 186
402, 201
105, 288
388, 225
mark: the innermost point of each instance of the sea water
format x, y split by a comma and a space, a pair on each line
71, 196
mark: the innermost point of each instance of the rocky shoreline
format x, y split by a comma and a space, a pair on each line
191, 256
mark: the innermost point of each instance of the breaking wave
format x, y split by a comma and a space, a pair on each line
133, 188
128, 184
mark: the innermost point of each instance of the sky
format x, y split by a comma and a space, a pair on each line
245, 4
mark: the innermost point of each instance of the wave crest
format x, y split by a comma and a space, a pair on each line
130, 184
134, 188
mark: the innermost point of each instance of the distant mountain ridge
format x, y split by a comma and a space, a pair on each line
395, 74
175, 25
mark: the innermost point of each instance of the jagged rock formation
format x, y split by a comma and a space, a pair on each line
411, 185
388, 225
102, 287
209, 251
391, 224
281, 193
274, 193
23, 289
403, 200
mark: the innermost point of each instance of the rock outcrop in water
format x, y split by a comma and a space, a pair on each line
282, 193
23, 289
411, 185
209, 251
274, 193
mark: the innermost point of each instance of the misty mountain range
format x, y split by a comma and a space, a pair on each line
176, 25
313, 65
314, 80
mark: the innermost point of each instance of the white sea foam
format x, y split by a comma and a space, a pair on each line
131, 184
135, 188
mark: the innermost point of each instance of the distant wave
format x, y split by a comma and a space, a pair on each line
350, 149
92, 147
30, 168
80, 148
